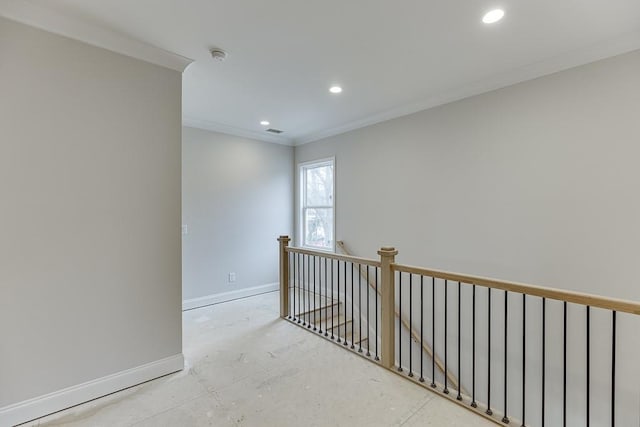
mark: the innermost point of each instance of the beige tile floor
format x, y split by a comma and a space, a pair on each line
247, 367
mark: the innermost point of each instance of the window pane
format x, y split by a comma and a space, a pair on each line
318, 228
319, 189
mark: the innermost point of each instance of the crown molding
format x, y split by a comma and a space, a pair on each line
236, 131
28, 13
612, 47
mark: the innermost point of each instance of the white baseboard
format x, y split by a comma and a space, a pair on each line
53, 402
228, 296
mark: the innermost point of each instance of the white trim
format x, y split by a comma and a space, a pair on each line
232, 130
612, 47
190, 304
301, 207
53, 402
39, 16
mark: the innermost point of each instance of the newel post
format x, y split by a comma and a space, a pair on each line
284, 276
388, 307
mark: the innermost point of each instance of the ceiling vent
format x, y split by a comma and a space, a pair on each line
276, 131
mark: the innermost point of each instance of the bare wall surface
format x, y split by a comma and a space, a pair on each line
538, 183
90, 213
237, 198
535, 182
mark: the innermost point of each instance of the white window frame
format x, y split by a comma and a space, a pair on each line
302, 184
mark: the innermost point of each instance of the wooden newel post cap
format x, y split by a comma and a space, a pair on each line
284, 239
387, 251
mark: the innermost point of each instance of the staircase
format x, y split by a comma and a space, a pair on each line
407, 328
521, 351
329, 316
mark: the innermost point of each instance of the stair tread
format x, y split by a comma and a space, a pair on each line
312, 310
346, 332
319, 292
341, 328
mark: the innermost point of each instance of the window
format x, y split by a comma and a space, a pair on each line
317, 204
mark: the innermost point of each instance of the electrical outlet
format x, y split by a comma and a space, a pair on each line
185, 229
232, 277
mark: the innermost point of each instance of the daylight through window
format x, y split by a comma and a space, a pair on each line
317, 204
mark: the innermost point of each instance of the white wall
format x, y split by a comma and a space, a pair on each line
237, 199
90, 219
537, 182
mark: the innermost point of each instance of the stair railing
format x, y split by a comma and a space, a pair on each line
470, 324
414, 334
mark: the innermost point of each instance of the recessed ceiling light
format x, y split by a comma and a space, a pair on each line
335, 89
493, 16
265, 123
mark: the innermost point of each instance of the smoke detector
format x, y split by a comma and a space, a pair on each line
218, 55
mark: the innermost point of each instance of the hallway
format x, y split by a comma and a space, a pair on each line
247, 367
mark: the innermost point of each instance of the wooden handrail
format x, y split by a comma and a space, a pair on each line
331, 255
405, 324
386, 290
521, 288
